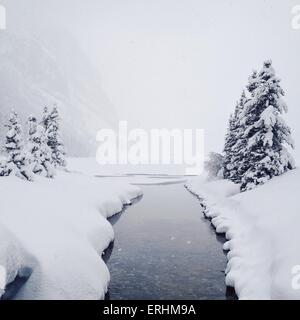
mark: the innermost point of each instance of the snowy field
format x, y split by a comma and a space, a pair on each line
54, 232
262, 228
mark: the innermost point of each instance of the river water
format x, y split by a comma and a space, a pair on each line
165, 249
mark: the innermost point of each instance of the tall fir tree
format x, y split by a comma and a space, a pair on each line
265, 154
51, 123
45, 118
240, 141
38, 149
233, 162
229, 143
240, 164
17, 162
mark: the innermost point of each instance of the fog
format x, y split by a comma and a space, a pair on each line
175, 63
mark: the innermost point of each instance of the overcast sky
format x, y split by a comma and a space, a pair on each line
178, 63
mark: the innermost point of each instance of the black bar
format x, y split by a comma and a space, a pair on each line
144, 309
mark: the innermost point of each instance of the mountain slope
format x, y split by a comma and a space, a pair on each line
45, 70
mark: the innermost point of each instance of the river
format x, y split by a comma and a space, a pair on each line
165, 249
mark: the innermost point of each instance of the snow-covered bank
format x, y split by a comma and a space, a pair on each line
262, 227
57, 230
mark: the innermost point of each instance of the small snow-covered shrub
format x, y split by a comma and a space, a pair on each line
214, 165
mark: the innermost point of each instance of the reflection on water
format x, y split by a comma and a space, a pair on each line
165, 249
13, 288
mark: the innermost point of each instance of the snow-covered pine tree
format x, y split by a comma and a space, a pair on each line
265, 154
38, 149
51, 123
237, 159
234, 141
45, 118
17, 162
253, 82
229, 143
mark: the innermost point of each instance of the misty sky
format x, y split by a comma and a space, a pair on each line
177, 63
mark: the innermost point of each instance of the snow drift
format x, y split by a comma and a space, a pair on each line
56, 230
262, 228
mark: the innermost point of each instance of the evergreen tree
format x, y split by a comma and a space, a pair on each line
253, 82
266, 133
237, 159
17, 162
233, 162
51, 123
229, 143
45, 118
39, 151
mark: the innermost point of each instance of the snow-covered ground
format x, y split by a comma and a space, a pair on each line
54, 232
262, 228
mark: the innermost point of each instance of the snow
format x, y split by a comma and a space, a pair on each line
12, 257
262, 228
53, 231
268, 116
